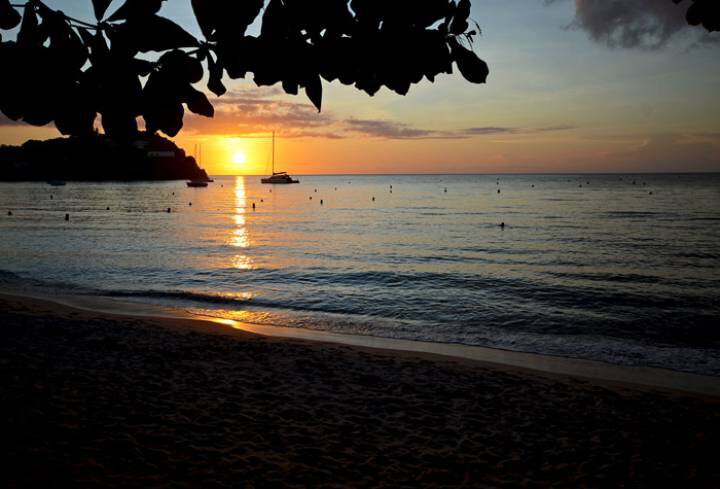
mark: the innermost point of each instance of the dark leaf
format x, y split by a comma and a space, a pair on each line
38, 114
163, 84
134, 9
472, 68
338, 60
100, 7
432, 11
119, 124
181, 67
96, 43
290, 87
225, 18
276, 20
164, 115
206, 13
9, 17
143, 67
86, 36
332, 16
195, 70
705, 13
151, 33
215, 84
75, 113
161, 34
369, 84
269, 65
241, 56
65, 43
369, 13
313, 89
11, 60
115, 87
168, 88
30, 34
28, 95
198, 103
40, 104
460, 18
694, 14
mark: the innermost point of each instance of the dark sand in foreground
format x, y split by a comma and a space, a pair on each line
96, 400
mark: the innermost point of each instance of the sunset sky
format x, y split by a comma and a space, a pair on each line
575, 86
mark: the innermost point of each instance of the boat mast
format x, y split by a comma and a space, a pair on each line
273, 153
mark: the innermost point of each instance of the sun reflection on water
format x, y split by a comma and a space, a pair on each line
240, 237
235, 318
227, 322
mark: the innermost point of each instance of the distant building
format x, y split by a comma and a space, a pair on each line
161, 154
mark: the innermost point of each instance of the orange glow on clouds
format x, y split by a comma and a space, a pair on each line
517, 153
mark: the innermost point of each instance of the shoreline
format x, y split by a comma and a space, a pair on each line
95, 399
596, 371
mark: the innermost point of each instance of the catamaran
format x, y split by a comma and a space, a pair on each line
277, 178
199, 182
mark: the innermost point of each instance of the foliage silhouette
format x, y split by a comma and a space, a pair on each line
95, 67
705, 13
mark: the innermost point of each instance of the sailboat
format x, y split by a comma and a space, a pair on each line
277, 178
197, 182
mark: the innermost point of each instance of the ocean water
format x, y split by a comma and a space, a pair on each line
619, 268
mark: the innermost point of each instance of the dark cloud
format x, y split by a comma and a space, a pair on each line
488, 131
247, 112
390, 130
256, 93
710, 136
258, 111
491, 130
243, 112
644, 24
397, 130
555, 128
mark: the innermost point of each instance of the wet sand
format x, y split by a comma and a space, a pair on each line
90, 399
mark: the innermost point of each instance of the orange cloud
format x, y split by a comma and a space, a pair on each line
251, 112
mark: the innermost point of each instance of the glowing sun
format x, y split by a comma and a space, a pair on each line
239, 158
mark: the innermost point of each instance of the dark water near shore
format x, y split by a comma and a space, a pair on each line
592, 266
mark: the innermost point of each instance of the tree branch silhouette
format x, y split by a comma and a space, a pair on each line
705, 13
65, 70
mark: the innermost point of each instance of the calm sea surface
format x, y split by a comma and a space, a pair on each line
591, 267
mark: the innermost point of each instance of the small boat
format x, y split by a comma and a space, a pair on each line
199, 182
277, 178
56, 183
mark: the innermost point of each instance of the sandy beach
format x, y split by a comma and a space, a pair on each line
90, 400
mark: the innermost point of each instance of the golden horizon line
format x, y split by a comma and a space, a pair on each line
600, 173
